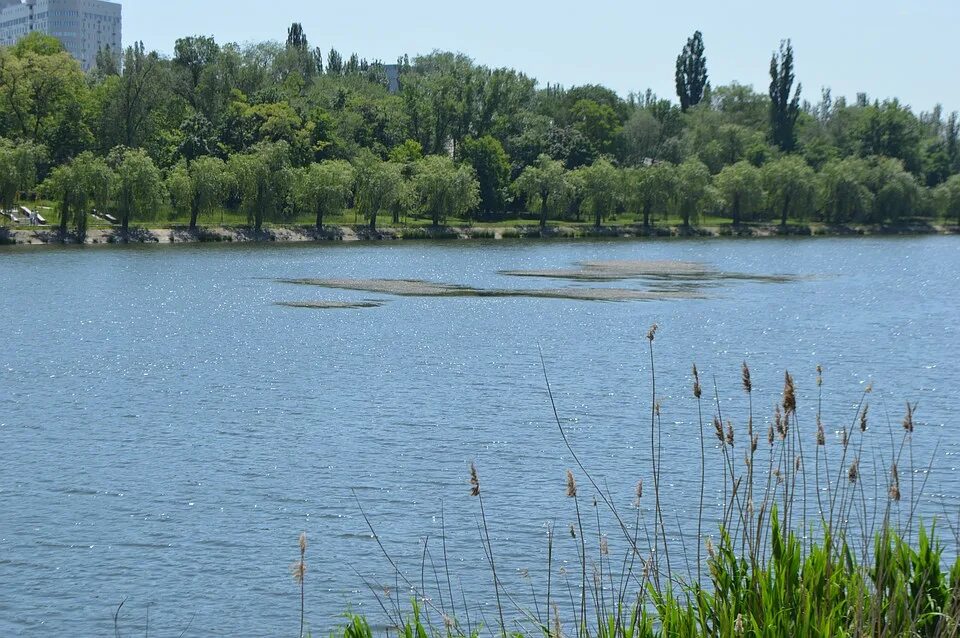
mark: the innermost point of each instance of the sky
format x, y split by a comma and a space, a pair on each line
885, 48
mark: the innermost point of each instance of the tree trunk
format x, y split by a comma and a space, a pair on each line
783, 213
373, 221
646, 216
194, 214
598, 218
319, 219
736, 210
543, 211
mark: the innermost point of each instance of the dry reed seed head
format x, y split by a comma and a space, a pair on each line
299, 570
819, 375
844, 439
863, 417
770, 436
656, 408
854, 472
697, 390
821, 435
638, 495
303, 543
718, 428
753, 443
571, 485
573, 531
798, 463
789, 394
778, 421
729, 434
895, 493
745, 377
894, 473
652, 332
908, 417
604, 546
557, 630
474, 481
738, 624
778, 475
711, 552
749, 507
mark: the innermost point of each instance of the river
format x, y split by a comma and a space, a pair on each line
167, 430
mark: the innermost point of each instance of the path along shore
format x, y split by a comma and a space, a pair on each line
299, 234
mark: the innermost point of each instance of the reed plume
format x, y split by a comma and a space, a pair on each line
745, 378
474, 481
908, 418
789, 395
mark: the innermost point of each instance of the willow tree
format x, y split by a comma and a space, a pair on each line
741, 188
378, 184
18, 169
948, 195
79, 186
139, 187
650, 189
262, 181
791, 187
601, 189
443, 189
200, 188
545, 184
324, 188
693, 191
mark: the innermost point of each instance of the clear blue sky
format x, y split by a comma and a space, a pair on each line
887, 48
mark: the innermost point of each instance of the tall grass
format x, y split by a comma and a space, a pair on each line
803, 545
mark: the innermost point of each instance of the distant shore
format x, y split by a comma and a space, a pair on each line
302, 234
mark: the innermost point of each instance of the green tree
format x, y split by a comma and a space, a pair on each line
18, 170
198, 188
545, 185
896, 192
601, 189
598, 123
650, 189
691, 74
791, 187
135, 101
741, 188
641, 137
79, 186
444, 189
693, 192
948, 194
378, 186
139, 187
492, 167
262, 180
39, 83
324, 188
843, 191
784, 109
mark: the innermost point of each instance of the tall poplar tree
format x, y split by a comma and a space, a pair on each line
691, 73
784, 109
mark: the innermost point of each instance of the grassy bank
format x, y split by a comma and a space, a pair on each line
806, 534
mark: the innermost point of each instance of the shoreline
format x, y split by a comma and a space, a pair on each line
304, 234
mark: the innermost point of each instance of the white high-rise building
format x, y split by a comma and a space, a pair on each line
83, 26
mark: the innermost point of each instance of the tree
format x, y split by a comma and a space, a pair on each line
139, 187
896, 192
262, 180
378, 184
641, 137
791, 187
83, 183
693, 189
598, 123
601, 189
38, 84
198, 188
545, 184
948, 194
741, 189
18, 170
444, 189
650, 189
492, 167
324, 188
136, 99
691, 73
784, 109
193, 56
843, 191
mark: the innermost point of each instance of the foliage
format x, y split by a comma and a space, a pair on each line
601, 189
691, 73
784, 109
262, 180
378, 186
741, 190
544, 185
323, 188
791, 187
444, 189
139, 186
199, 188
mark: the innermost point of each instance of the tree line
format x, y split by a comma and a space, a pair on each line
280, 130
